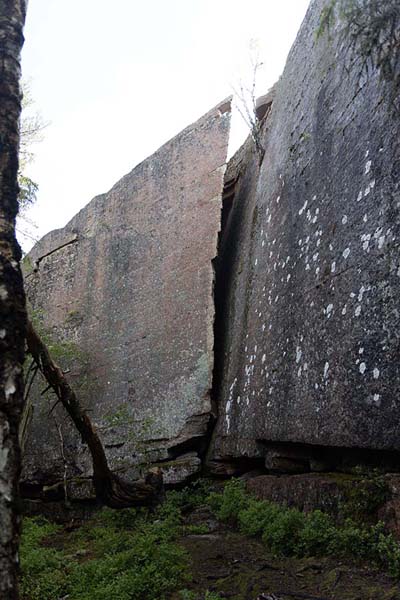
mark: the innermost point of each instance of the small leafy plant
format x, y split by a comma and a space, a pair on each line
289, 532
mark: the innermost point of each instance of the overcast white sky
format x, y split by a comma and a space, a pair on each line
115, 80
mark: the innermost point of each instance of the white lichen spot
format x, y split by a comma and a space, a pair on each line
360, 195
381, 241
333, 267
298, 354
357, 312
344, 310
328, 310
299, 372
326, 369
362, 368
256, 262
377, 399
315, 256
288, 277
365, 218
344, 219
361, 351
346, 253
277, 200
367, 167
303, 208
227, 417
376, 373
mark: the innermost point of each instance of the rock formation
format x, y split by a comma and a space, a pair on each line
307, 331
128, 284
310, 313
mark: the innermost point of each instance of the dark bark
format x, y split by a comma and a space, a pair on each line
110, 488
12, 300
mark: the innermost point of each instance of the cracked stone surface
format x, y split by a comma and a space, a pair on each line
312, 267
128, 283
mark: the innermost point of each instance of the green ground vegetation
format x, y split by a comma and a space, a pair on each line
136, 554
289, 532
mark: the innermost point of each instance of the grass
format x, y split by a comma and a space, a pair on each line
289, 532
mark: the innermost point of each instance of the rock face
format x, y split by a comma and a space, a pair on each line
307, 331
310, 263
127, 288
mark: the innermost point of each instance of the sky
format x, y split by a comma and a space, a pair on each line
116, 80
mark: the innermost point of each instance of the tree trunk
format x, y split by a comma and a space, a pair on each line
12, 300
110, 489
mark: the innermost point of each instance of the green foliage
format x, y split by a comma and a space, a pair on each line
289, 532
197, 529
192, 496
132, 555
30, 129
228, 505
28, 190
44, 575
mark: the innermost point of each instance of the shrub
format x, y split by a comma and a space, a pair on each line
287, 531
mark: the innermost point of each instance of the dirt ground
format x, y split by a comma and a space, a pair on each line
237, 567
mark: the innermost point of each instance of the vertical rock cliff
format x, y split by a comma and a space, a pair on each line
126, 288
310, 263
307, 332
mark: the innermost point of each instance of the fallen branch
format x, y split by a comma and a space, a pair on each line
110, 488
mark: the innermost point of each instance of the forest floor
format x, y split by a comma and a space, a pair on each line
188, 550
232, 565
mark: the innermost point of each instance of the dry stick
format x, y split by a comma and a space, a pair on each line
60, 435
110, 489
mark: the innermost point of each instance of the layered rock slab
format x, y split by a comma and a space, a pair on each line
310, 262
128, 284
